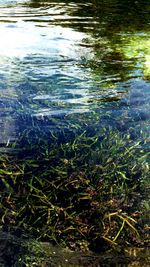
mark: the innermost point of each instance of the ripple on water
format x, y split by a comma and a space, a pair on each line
59, 60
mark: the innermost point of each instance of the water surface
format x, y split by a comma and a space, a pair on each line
62, 59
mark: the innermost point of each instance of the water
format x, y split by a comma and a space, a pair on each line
74, 67
59, 59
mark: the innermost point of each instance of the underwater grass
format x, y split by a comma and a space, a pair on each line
88, 193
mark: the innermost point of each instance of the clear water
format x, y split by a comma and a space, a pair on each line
74, 65
61, 61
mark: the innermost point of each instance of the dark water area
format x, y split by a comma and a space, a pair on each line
75, 96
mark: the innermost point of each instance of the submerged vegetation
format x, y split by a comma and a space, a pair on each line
86, 193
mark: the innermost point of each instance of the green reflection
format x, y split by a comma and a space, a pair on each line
138, 46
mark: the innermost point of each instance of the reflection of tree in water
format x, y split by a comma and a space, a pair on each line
114, 18
104, 22
112, 15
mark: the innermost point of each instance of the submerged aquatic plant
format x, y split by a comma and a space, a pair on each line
85, 193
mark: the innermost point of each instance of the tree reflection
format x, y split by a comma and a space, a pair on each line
115, 15
107, 24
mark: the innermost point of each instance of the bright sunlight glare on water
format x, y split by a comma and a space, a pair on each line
25, 39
